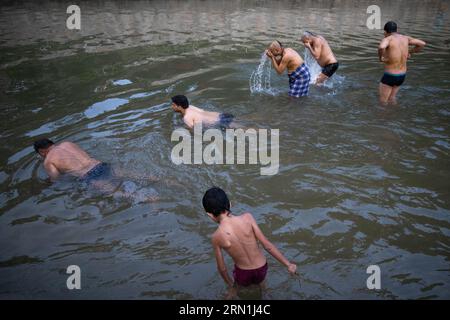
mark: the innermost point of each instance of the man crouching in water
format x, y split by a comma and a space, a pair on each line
68, 158
298, 72
394, 51
321, 51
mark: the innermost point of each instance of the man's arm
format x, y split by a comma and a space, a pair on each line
418, 44
220, 262
52, 171
382, 48
315, 50
279, 68
270, 247
189, 122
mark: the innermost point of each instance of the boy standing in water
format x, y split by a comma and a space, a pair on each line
298, 72
239, 236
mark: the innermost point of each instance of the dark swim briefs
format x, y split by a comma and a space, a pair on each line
330, 69
393, 80
245, 278
225, 119
101, 171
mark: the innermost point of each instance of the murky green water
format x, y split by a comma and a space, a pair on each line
359, 184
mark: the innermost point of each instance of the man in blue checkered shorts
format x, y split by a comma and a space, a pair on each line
298, 72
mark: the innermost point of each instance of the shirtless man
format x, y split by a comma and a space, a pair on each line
321, 51
68, 158
239, 237
298, 72
193, 115
394, 52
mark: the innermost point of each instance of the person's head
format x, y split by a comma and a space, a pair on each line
42, 146
215, 202
307, 37
179, 103
390, 27
276, 48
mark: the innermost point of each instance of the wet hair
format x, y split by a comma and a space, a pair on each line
306, 35
215, 201
275, 45
309, 34
181, 101
390, 27
42, 144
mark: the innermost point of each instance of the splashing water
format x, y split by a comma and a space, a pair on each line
260, 78
315, 69
260, 81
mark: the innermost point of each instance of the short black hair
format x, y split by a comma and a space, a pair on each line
42, 144
181, 101
390, 27
215, 201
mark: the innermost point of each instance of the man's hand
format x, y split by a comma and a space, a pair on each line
292, 268
231, 293
269, 54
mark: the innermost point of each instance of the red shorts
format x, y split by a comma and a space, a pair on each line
247, 277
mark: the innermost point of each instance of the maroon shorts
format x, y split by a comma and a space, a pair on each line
247, 277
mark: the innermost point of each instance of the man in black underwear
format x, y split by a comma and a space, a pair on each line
68, 158
321, 51
394, 51
193, 115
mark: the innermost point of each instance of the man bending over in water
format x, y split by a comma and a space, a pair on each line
321, 51
298, 72
394, 52
239, 236
193, 115
69, 158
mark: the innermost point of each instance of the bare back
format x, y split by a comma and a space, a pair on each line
237, 237
67, 157
396, 54
293, 59
326, 54
196, 115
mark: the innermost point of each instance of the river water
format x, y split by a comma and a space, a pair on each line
359, 184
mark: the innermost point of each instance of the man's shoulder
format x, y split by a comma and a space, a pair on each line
189, 114
216, 237
48, 160
292, 53
65, 144
247, 216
